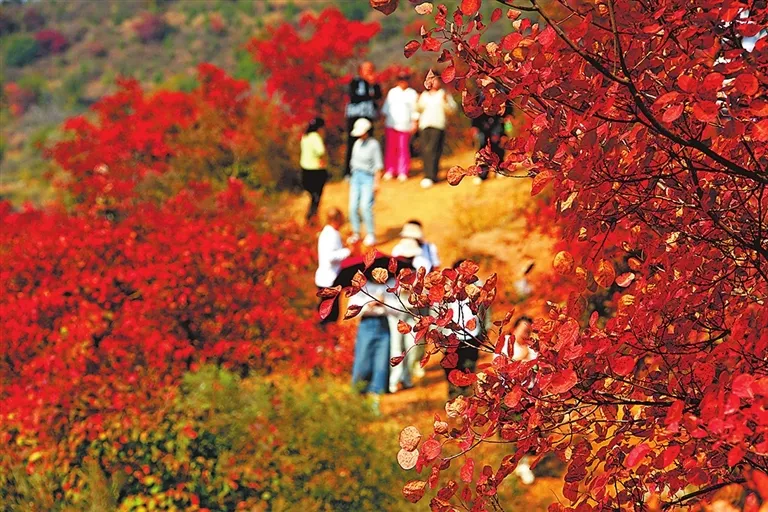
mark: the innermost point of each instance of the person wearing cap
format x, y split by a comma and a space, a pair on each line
401, 118
433, 106
367, 165
411, 233
363, 95
313, 164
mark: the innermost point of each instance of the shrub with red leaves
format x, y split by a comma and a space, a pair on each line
150, 27
51, 41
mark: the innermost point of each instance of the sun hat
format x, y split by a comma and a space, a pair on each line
407, 248
412, 230
360, 127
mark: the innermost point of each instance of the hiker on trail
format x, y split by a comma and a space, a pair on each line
371, 365
401, 119
469, 339
485, 129
330, 253
313, 164
433, 106
366, 166
363, 95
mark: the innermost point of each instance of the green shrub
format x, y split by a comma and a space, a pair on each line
227, 444
20, 50
245, 67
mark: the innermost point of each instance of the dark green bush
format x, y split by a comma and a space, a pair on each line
20, 50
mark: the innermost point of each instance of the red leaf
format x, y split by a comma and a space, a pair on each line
605, 274
625, 279
414, 490
392, 266
359, 280
495, 15
672, 113
563, 262
669, 455
547, 37
325, 308
623, 365
687, 83
712, 83
402, 327
636, 455
540, 181
741, 386
736, 454
705, 111
461, 379
470, 7
431, 449
448, 74
329, 293
562, 382
450, 360
369, 257
394, 361
385, 6
456, 174
430, 44
467, 471
411, 47
567, 334
352, 311
746, 83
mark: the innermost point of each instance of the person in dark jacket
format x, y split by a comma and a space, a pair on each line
364, 94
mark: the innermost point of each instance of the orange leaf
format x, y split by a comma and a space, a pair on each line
414, 490
605, 274
470, 7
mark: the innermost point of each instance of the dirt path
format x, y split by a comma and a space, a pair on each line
483, 222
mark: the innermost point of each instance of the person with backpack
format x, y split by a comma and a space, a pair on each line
364, 93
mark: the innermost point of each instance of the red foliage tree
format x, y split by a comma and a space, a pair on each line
650, 124
310, 66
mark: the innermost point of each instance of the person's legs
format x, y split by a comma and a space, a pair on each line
403, 164
314, 184
362, 368
380, 354
397, 346
390, 150
350, 142
355, 184
366, 200
428, 152
439, 145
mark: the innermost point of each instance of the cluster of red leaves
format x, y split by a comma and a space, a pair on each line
135, 134
51, 41
310, 66
650, 124
96, 313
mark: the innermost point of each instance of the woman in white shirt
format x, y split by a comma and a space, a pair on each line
433, 106
330, 253
400, 119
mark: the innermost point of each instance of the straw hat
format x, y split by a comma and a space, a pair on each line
360, 127
411, 230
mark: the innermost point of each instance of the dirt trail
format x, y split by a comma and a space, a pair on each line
484, 222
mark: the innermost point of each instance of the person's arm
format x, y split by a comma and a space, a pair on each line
330, 248
450, 103
385, 107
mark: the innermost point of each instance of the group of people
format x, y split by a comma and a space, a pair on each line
406, 114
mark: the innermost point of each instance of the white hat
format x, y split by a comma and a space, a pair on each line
361, 126
407, 248
412, 230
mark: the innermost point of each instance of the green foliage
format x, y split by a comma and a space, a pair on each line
245, 67
20, 50
34, 82
73, 86
223, 444
354, 10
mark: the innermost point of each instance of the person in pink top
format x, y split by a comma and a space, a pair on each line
401, 119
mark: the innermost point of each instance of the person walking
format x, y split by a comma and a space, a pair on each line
314, 174
433, 106
371, 363
367, 165
330, 253
401, 119
488, 129
363, 95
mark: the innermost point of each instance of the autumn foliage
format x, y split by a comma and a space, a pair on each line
160, 266
648, 130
